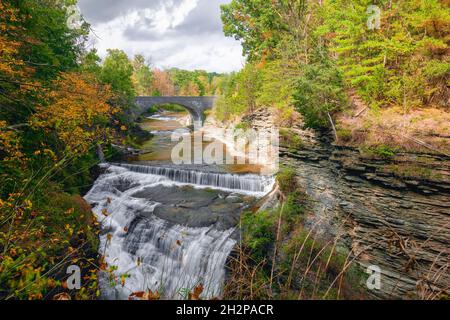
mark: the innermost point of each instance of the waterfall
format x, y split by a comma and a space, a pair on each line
150, 253
248, 182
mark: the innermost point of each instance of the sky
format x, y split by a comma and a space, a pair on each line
186, 34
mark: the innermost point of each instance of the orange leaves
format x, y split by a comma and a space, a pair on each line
10, 66
62, 296
142, 295
162, 83
74, 111
9, 144
195, 294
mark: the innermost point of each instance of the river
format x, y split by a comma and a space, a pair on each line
169, 228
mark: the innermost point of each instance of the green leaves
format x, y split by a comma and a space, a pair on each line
319, 91
117, 71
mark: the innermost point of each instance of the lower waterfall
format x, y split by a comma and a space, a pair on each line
147, 252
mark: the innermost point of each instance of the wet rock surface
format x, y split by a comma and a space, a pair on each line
196, 208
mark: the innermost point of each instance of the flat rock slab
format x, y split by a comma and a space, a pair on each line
196, 208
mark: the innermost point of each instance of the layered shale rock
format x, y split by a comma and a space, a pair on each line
390, 217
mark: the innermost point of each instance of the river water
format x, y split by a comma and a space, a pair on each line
166, 227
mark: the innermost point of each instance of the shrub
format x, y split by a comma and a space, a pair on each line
287, 180
382, 151
258, 232
319, 91
344, 134
290, 139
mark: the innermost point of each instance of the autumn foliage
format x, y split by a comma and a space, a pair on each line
75, 109
53, 112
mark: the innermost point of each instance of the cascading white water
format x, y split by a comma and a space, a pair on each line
151, 253
248, 182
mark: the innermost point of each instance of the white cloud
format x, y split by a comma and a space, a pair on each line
174, 33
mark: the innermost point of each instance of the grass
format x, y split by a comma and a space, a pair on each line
290, 139
279, 258
412, 171
380, 151
299, 265
418, 130
344, 134
287, 180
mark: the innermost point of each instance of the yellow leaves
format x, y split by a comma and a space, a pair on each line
73, 108
105, 212
10, 65
123, 279
51, 283
69, 229
10, 144
123, 128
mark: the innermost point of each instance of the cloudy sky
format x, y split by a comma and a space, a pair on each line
173, 33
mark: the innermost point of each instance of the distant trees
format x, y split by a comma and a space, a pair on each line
162, 85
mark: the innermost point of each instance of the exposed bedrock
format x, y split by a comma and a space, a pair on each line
398, 222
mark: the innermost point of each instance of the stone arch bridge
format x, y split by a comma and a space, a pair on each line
195, 105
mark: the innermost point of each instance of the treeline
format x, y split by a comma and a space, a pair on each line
137, 76
307, 55
187, 83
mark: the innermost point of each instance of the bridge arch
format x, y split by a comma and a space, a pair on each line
195, 105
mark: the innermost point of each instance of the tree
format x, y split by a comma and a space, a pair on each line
76, 109
142, 76
162, 85
319, 91
405, 62
90, 63
117, 71
255, 23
